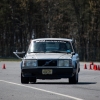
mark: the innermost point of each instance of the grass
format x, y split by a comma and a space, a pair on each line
10, 59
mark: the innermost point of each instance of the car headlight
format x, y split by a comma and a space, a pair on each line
65, 63
29, 63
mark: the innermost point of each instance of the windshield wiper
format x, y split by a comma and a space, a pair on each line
56, 51
37, 52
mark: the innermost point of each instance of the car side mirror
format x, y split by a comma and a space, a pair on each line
73, 53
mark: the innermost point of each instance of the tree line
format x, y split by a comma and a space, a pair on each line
20, 20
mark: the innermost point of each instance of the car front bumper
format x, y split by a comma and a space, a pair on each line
48, 73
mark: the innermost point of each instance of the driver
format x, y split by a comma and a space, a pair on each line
63, 47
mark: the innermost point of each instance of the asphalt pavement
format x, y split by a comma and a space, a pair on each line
88, 87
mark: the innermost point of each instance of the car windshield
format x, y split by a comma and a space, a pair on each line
50, 46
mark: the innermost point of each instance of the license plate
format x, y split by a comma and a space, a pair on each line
47, 71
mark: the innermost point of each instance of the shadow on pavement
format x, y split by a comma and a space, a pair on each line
85, 83
64, 83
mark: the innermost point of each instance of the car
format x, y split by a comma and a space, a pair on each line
50, 58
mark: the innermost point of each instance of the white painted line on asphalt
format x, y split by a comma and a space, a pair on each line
71, 97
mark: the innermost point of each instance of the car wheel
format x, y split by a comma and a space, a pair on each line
74, 79
33, 80
24, 80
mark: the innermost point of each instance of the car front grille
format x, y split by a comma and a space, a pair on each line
47, 63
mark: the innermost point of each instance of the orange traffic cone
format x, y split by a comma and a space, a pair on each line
90, 66
85, 67
95, 67
98, 67
3, 67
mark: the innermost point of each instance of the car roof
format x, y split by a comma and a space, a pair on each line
64, 39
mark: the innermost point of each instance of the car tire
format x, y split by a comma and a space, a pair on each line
24, 80
74, 79
33, 80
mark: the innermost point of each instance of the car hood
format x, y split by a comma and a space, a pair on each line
48, 56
